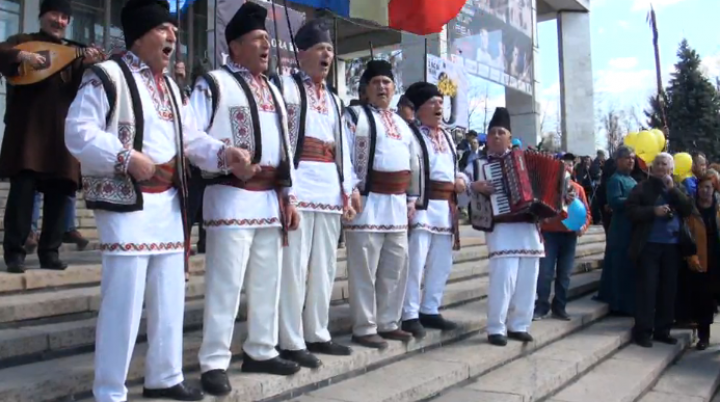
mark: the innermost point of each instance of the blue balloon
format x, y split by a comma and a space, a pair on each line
577, 215
516, 142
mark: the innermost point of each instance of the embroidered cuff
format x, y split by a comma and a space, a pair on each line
122, 161
222, 164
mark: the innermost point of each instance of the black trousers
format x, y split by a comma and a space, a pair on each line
656, 287
19, 211
196, 191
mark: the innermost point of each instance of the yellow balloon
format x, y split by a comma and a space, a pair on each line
647, 157
683, 165
630, 139
660, 138
646, 144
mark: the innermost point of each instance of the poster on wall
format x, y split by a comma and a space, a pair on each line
226, 9
452, 82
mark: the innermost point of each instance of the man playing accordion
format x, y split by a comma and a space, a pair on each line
514, 248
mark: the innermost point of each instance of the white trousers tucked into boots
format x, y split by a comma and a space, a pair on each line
229, 254
125, 282
511, 297
377, 275
309, 267
431, 254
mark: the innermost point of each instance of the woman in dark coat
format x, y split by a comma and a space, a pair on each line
617, 283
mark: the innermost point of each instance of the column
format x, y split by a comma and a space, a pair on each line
524, 117
576, 83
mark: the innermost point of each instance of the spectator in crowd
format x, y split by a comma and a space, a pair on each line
699, 166
464, 145
71, 235
405, 109
699, 278
597, 165
559, 257
656, 208
599, 201
469, 156
583, 177
617, 283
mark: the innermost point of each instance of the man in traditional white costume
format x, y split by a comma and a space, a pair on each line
514, 250
386, 167
128, 129
323, 186
435, 224
246, 220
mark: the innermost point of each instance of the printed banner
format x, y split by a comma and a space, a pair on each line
452, 81
226, 9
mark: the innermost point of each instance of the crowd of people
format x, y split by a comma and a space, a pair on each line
279, 169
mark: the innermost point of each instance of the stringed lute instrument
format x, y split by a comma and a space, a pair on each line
56, 56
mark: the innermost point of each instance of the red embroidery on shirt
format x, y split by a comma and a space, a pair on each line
391, 129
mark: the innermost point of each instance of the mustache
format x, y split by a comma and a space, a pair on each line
56, 25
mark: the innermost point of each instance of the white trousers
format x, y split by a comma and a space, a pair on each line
126, 280
432, 254
309, 268
233, 255
377, 275
511, 295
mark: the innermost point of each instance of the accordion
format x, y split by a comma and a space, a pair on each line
527, 185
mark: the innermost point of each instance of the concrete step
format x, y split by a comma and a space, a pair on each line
85, 266
626, 375
695, 377
27, 306
423, 376
71, 376
545, 371
381, 368
60, 334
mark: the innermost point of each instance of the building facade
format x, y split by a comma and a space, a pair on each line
98, 22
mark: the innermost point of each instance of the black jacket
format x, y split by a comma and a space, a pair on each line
640, 209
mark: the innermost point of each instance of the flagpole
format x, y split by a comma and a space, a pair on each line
425, 61
336, 26
278, 65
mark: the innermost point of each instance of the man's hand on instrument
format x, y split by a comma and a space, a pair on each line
482, 187
141, 167
460, 186
292, 217
33, 59
356, 201
93, 55
410, 210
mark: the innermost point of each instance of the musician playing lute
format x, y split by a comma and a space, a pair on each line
514, 250
33, 150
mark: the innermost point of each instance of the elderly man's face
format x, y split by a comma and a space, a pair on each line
699, 166
662, 166
380, 91
55, 23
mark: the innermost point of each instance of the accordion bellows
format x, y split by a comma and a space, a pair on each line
528, 186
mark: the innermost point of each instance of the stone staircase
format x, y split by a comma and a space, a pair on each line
47, 331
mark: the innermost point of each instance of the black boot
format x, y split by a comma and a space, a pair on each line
436, 321
414, 327
179, 392
276, 366
215, 382
301, 357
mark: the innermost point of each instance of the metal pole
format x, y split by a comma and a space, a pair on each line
336, 26
425, 61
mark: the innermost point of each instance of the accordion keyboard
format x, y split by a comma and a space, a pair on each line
499, 198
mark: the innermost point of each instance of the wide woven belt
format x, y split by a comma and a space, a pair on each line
264, 180
390, 182
315, 150
441, 190
163, 180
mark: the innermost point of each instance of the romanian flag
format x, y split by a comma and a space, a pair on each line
421, 17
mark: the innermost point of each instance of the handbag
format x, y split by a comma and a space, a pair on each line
686, 241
